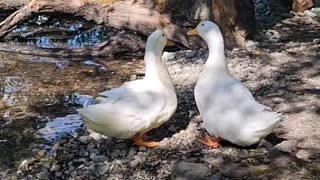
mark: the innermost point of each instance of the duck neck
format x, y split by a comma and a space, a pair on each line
216, 62
156, 70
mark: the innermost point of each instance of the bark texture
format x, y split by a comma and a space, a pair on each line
302, 5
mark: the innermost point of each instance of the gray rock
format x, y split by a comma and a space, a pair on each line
97, 137
189, 171
267, 2
284, 37
92, 167
42, 153
273, 35
268, 13
217, 176
83, 153
85, 139
103, 168
55, 168
142, 148
191, 54
233, 170
287, 15
132, 152
260, 6
134, 163
58, 174
42, 175
316, 41
304, 154
168, 56
24, 166
251, 46
98, 158
121, 146
115, 153
287, 146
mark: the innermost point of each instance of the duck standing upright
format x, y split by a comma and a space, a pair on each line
228, 109
137, 106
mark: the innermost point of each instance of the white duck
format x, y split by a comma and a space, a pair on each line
137, 106
226, 106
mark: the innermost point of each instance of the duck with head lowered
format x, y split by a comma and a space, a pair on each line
136, 107
227, 107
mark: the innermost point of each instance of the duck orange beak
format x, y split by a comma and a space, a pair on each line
170, 43
193, 32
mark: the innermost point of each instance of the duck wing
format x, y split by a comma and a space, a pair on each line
125, 116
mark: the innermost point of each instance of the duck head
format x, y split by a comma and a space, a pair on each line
157, 41
208, 30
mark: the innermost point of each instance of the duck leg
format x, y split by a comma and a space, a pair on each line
211, 142
138, 140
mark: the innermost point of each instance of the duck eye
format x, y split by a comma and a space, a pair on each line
202, 24
162, 35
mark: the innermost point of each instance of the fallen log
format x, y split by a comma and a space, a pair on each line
143, 17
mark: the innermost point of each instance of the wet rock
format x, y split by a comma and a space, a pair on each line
189, 171
85, 139
43, 175
287, 146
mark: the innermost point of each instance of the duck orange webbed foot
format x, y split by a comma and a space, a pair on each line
138, 140
211, 142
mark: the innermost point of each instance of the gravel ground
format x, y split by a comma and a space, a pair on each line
284, 75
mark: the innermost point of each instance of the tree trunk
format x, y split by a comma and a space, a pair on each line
235, 17
302, 5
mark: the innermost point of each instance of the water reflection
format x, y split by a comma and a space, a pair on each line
59, 127
53, 32
10, 88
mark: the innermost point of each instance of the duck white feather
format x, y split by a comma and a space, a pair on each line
137, 106
227, 107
